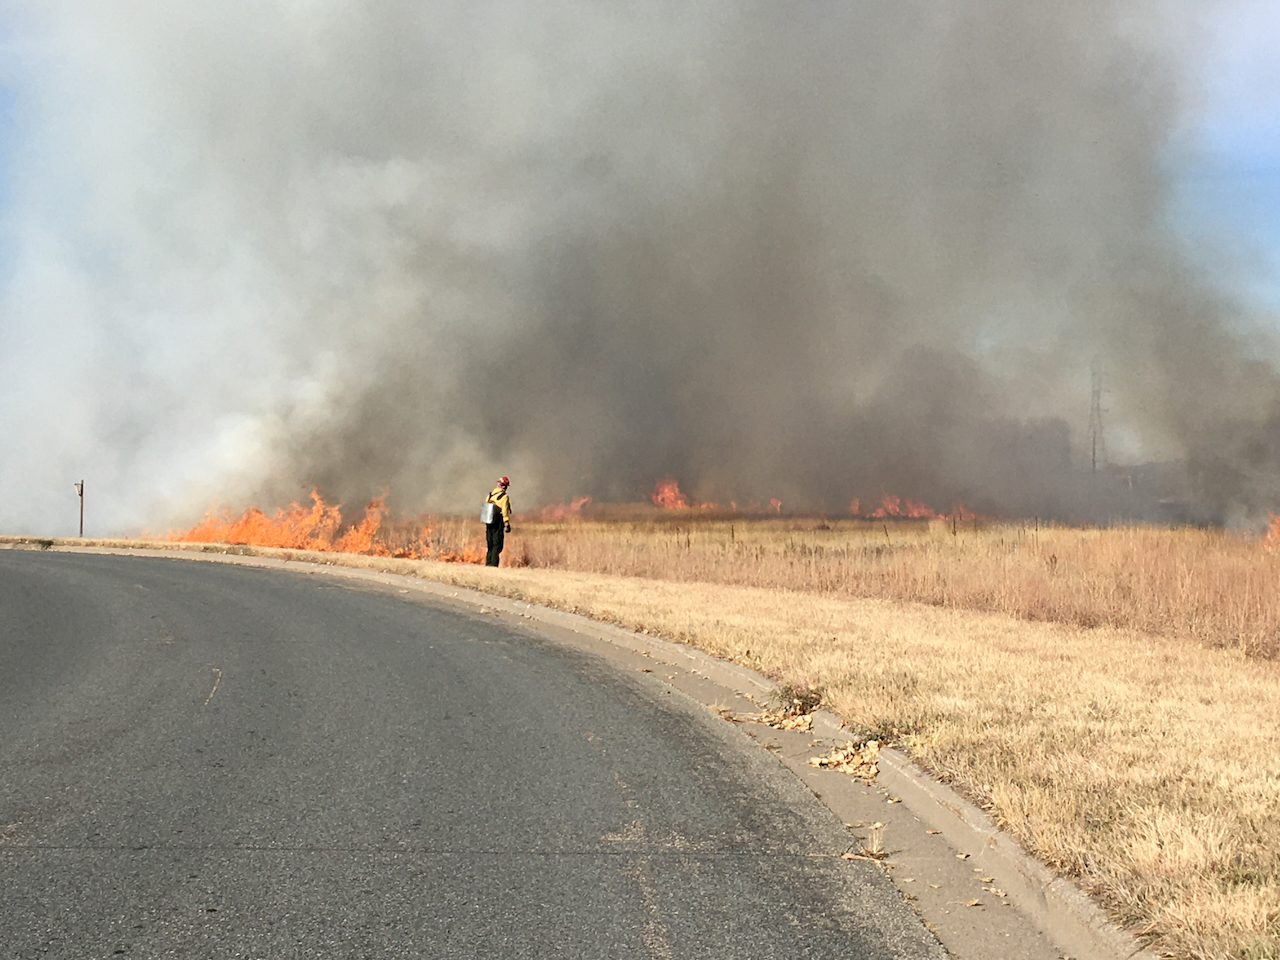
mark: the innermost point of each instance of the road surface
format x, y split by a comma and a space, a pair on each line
205, 760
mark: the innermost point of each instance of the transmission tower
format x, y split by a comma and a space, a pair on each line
1097, 439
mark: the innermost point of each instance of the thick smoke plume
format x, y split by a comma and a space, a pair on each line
812, 251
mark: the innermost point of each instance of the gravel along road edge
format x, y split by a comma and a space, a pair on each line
971, 884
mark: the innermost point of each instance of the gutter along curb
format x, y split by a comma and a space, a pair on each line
1051, 903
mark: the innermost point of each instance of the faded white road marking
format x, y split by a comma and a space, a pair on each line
657, 943
217, 682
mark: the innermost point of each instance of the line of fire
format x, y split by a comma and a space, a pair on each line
321, 526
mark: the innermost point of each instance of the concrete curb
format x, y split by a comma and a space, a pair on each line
1057, 906
1069, 917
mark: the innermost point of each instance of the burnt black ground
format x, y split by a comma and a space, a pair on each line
200, 760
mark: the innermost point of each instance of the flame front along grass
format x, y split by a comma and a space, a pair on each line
1111, 696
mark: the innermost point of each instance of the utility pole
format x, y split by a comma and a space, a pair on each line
80, 494
1097, 439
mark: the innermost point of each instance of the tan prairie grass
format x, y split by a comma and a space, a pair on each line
1215, 587
1142, 763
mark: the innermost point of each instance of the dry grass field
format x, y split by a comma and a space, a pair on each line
1213, 587
1111, 696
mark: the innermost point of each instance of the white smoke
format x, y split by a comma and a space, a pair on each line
256, 246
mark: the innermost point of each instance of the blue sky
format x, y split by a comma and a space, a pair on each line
1229, 195
6, 140
6, 125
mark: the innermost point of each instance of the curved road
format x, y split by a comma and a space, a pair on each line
205, 760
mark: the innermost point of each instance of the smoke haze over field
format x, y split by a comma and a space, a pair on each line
813, 251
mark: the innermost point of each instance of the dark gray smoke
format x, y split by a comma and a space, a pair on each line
814, 251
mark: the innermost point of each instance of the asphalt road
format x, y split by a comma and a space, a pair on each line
203, 760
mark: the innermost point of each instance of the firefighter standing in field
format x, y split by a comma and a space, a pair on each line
494, 530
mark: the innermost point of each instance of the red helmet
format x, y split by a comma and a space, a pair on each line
504, 482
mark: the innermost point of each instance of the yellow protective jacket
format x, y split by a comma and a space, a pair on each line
499, 496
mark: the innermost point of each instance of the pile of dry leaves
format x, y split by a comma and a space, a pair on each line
785, 719
856, 759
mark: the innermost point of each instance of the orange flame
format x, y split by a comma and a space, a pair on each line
316, 528
892, 506
564, 511
473, 552
666, 494
297, 527
1271, 539
359, 539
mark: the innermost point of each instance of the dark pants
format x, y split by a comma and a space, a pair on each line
493, 540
